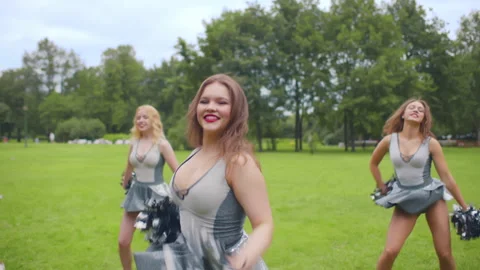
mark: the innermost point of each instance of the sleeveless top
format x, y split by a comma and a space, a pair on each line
208, 208
149, 168
414, 171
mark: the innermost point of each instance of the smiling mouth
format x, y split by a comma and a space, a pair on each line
210, 118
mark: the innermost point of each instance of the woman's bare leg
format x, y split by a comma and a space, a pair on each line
400, 228
437, 219
125, 238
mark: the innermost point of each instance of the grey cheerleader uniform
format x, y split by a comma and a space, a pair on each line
414, 189
211, 221
149, 183
211, 218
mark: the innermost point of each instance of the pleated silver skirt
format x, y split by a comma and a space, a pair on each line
139, 194
179, 256
415, 199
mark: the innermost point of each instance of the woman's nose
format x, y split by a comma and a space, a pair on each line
210, 106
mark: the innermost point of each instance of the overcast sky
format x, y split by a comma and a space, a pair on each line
150, 26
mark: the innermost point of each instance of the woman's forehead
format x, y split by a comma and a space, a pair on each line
416, 104
215, 90
142, 112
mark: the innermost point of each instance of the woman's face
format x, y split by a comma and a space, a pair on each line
142, 121
214, 108
414, 112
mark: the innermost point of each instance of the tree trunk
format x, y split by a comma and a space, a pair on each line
297, 118
258, 126
274, 144
300, 131
345, 130
19, 135
297, 127
352, 130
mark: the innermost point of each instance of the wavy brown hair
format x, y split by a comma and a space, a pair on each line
395, 122
233, 142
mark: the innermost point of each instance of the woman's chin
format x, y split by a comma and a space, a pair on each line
212, 131
145, 131
414, 121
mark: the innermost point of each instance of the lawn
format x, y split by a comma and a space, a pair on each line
61, 209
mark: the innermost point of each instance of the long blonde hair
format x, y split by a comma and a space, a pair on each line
395, 122
155, 120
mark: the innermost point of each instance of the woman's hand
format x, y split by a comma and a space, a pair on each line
383, 189
238, 261
124, 183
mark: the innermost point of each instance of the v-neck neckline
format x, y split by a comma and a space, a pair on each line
182, 193
400, 150
141, 159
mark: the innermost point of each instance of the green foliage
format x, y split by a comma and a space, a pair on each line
312, 140
66, 129
333, 138
12, 100
176, 135
345, 68
75, 128
5, 113
54, 109
116, 136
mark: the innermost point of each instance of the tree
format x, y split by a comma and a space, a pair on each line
467, 75
237, 43
369, 67
123, 77
53, 110
12, 100
52, 64
427, 43
300, 63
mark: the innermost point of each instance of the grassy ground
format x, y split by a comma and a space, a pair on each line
60, 209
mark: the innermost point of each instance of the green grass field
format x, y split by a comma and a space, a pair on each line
61, 209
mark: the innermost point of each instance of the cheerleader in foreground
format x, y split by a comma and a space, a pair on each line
216, 188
